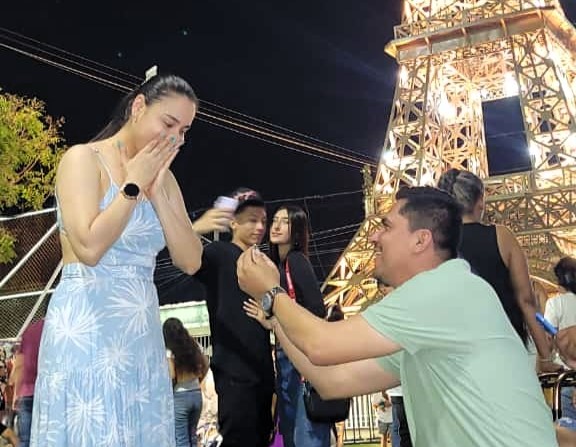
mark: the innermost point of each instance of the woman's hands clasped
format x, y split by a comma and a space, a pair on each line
148, 167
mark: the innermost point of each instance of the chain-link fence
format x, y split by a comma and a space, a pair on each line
25, 283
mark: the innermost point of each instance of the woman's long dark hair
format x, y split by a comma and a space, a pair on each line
299, 232
187, 354
153, 90
565, 272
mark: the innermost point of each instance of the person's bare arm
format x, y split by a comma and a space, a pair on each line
344, 380
16, 374
515, 260
324, 343
183, 243
565, 437
566, 344
330, 343
171, 368
89, 231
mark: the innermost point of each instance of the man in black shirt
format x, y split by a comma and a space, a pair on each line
242, 357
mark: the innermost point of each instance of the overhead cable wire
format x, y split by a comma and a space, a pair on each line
356, 158
280, 143
211, 116
317, 196
135, 80
83, 65
287, 130
322, 235
64, 67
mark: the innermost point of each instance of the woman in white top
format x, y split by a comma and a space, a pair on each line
561, 312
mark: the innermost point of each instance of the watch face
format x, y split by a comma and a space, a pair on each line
131, 190
267, 303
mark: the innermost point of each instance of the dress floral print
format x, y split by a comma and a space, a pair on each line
102, 373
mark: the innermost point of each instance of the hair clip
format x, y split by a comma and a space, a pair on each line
150, 73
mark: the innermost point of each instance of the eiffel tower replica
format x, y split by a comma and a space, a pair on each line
453, 55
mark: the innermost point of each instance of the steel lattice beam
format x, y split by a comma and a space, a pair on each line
453, 55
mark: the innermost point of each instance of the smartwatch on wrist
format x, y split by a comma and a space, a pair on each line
130, 191
268, 300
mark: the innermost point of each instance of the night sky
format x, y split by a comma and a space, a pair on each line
316, 67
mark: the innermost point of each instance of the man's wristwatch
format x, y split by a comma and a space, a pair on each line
268, 300
130, 191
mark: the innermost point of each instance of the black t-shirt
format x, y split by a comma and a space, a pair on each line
241, 346
305, 283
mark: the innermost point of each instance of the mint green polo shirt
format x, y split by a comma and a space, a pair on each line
466, 377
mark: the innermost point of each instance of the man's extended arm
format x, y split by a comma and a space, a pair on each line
330, 343
345, 380
322, 342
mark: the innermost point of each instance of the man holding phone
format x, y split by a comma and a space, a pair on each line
242, 355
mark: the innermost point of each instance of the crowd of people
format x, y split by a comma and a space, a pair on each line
456, 329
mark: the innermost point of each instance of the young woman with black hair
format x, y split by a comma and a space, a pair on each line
187, 366
289, 235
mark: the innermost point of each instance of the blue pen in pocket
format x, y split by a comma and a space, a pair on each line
546, 324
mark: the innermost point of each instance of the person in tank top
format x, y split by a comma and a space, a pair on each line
495, 255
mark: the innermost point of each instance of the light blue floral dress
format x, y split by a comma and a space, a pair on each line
103, 378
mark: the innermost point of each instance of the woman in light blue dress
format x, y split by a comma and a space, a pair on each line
102, 373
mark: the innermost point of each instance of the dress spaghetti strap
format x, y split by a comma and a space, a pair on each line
104, 165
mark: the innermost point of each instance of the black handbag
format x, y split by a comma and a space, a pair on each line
319, 410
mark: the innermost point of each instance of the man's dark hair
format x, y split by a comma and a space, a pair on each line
247, 197
435, 210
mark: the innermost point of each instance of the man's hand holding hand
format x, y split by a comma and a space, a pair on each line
257, 274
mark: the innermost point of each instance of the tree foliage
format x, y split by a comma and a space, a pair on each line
30, 148
7, 246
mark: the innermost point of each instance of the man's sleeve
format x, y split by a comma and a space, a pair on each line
207, 271
209, 255
308, 293
420, 315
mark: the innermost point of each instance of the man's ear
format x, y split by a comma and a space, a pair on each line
423, 240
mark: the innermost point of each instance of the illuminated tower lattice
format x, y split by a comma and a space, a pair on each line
453, 56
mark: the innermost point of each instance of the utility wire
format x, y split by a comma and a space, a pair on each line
212, 116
